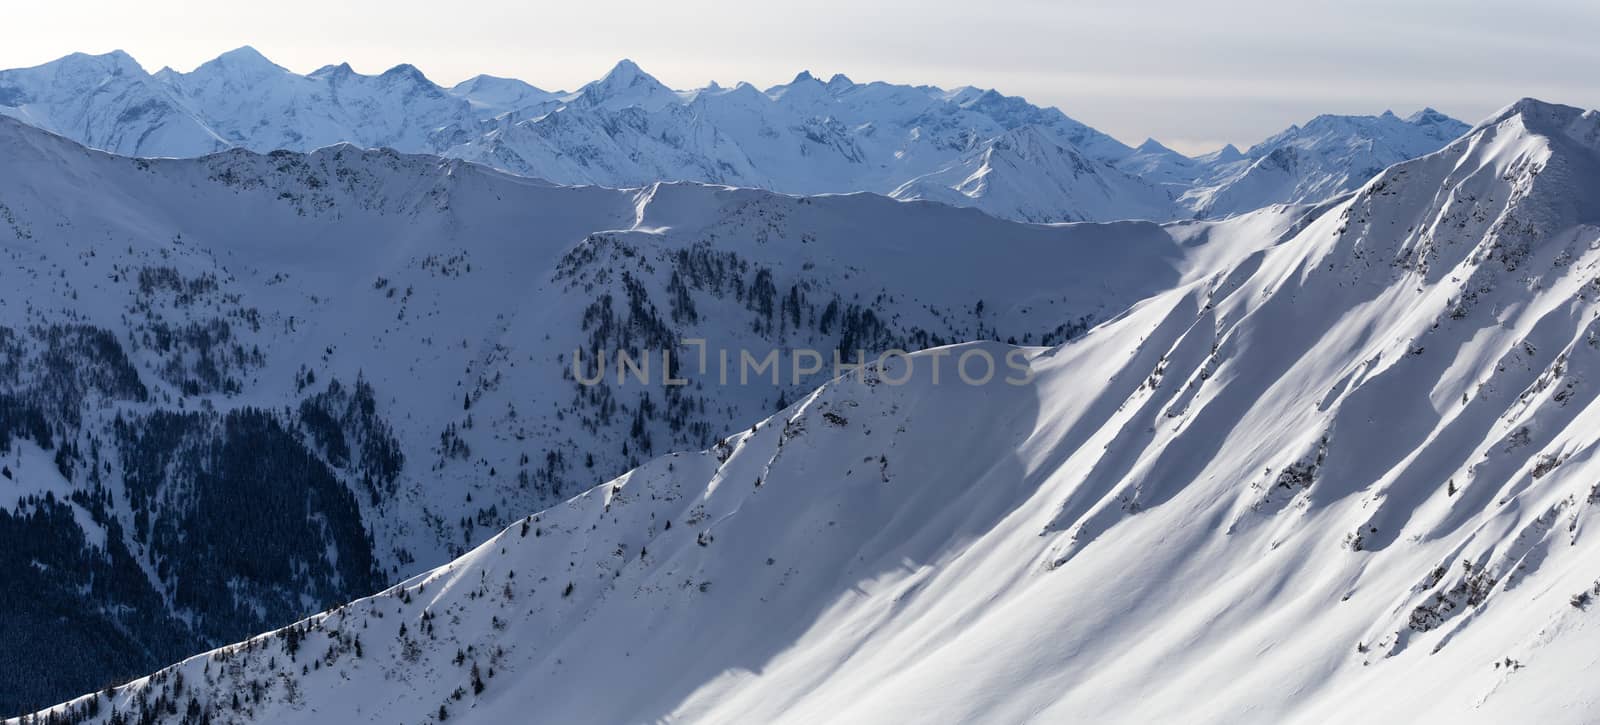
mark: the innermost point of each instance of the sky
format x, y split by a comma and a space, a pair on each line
1194, 75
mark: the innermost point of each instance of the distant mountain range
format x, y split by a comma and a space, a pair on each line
967, 147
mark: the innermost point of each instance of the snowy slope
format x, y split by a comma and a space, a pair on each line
1340, 469
391, 337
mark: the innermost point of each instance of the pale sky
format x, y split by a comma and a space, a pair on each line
1192, 74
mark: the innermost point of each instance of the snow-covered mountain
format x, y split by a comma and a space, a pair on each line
1158, 164
1024, 174
106, 102
498, 96
1330, 155
967, 146
810, 137
253, 103
1342, 464
386, 345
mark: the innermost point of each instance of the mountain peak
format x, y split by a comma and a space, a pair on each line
500, 94
478, 81
1425, 116
744, 93
625, 72
116, 61
337, 71
1550, 119
624, 75
405, 71
987, 96
1152, 146
1533, 107
119, 55
840, 81
243, 59
245, 54
804, 89
1228, 154
626, 84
